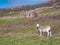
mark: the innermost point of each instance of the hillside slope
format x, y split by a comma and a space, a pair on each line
30, 7
22, 31
28, 26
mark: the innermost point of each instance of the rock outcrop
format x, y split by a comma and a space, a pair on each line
29, 14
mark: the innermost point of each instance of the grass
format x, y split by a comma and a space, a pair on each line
29, 40
50, 22
7, 21
14, 14
32, 29
48, 11
25, 34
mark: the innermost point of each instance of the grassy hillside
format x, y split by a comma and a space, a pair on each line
29, 40
7, 21
7, 14
23, 31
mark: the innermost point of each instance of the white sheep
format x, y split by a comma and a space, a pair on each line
44, 29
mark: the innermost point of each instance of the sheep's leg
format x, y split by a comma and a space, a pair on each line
47, 33
40, 33
50, 33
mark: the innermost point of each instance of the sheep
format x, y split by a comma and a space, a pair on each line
44, 29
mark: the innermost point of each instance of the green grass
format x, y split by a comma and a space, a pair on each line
32, 29
14, 14
48, 11
29, 40
24, 34
7, 21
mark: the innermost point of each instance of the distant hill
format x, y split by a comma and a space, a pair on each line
30, 7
